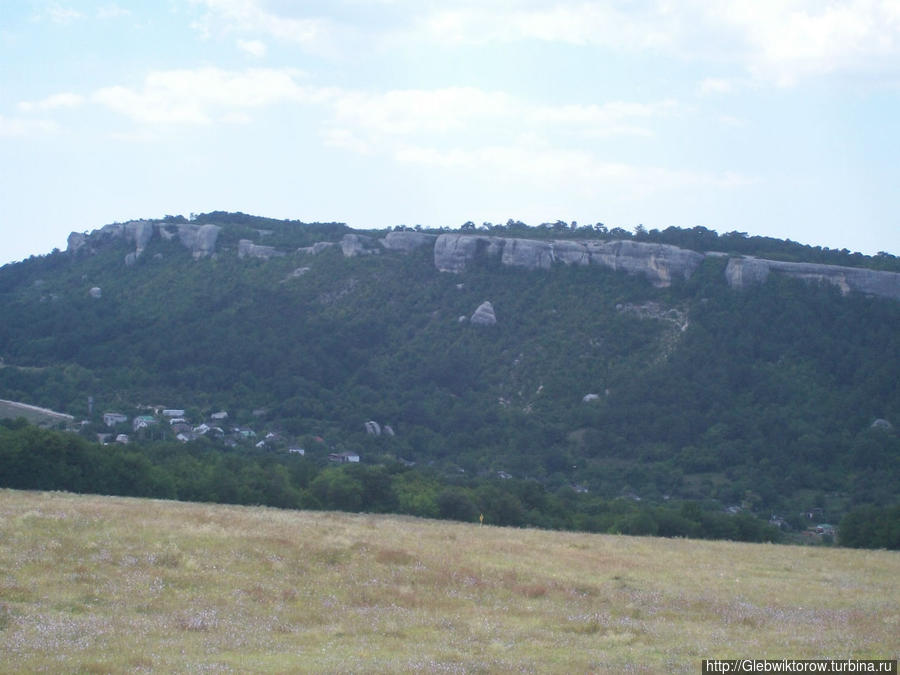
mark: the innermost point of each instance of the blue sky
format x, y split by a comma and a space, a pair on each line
773, 117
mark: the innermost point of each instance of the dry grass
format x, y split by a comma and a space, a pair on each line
108, 585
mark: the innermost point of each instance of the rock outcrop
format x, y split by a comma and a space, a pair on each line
484, 315
75, 242
453, 252
743, 272
356, 244
247, 249
317, 248
406, 241
140, 232
200, 240
660, 263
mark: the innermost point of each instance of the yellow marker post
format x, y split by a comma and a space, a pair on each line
481, 519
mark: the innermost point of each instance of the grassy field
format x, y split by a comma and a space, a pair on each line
35, 415
98, 584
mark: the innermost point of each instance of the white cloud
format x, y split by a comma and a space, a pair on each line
62, 100
716, 85
19, 127
609, 119
413, 111
58, 14
111, 11
775, 41
255, 48
344, 139
787, 41
469, 110
548, 168
250, 16
202, 95
499, 137
631, 26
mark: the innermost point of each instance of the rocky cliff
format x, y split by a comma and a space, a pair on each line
743, 272
200, 240
658, 262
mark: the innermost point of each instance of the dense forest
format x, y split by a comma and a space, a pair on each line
595, 390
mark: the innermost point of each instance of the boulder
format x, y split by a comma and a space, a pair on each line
406, 241
882, 424
587, 398
373, 428
484, 315
95, 292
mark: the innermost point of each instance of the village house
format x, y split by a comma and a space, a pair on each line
343, 457
173, 412
111, 419
142, 422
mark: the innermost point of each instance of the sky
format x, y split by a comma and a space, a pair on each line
771, 117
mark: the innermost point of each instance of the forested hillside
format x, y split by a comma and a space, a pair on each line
592, 382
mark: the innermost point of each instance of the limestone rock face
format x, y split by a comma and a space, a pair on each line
571, 252
200, 240
373, 428
140, 232
316, 248
484, 315
247, 249
528, 253
356, 244
75, 242
659, 262
406, 241
742, 272
452, 252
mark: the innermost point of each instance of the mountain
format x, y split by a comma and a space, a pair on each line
658, 367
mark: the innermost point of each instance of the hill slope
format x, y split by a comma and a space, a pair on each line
656, 382
115, 585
